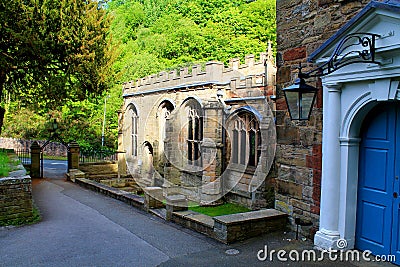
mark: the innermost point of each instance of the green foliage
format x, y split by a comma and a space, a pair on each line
24, 123
187, 31
62, 58
53, 50
4, 164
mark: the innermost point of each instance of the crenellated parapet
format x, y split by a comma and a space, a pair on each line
214, 71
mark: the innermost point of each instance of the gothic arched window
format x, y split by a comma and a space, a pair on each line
164, 111
246, 139
134, 130
194, 132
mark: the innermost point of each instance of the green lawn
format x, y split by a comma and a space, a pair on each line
224, 209
4, 164
55, 157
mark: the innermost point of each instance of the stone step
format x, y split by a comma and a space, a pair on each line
240, 226
98, 177
162, 213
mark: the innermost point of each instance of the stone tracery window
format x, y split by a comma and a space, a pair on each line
195, 134
134, 131
246, 139
194, 137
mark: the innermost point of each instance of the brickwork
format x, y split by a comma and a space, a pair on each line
303, 26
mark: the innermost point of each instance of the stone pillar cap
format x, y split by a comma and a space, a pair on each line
35, 144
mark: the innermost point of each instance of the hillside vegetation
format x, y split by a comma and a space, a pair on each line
146, 37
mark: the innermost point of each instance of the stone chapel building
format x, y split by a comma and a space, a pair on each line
208, 134
341, 168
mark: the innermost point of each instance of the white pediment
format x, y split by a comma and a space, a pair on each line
378, 18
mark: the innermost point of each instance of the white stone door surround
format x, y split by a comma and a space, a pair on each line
348, 95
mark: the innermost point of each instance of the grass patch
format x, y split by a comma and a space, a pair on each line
224, 209
4, 164
55, 157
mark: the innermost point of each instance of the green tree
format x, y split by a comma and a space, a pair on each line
51, 51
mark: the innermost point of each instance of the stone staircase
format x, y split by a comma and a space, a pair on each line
99, 171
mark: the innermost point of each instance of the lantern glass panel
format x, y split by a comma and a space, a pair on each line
307, 100
292, 99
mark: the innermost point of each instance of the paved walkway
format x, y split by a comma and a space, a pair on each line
84, 228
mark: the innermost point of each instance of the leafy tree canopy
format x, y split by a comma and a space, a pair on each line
174, 32
53, 50
55, 56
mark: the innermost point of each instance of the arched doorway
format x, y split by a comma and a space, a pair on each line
378, 201
147, 167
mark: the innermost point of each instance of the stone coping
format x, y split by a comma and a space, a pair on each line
12, 180
129, 198
240, 218
193, 216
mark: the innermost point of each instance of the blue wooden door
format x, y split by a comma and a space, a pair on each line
378, 214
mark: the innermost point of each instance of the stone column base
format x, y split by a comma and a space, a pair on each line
325, 240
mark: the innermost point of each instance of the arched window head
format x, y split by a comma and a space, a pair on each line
163, 113
134, 130
245, 139
194, 132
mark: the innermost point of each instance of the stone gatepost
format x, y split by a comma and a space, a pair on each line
73, 157
35, 160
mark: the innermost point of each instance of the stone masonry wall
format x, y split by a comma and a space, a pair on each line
52, 149
15, 198
303, 26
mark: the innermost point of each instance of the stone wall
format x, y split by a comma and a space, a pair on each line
15, 196
15, 199
303, 26
52, 149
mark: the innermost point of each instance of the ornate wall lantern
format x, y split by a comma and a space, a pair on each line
300, 96
300, 99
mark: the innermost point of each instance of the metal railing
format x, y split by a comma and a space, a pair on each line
104, 154
24, 155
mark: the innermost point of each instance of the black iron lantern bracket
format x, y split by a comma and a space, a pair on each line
353, 48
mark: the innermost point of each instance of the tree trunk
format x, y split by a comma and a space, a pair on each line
2, 110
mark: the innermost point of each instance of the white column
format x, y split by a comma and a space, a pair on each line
328, 232
349, 147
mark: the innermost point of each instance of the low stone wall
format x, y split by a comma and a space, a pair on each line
52, 149
241, 226
16, 197
196, 221
131, 199
226, 228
